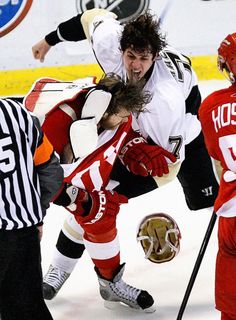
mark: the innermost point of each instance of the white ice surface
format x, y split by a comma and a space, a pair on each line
79, 298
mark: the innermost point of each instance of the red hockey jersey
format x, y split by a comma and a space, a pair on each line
58, 104
218, 118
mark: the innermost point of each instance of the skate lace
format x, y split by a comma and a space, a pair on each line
55, 277
125, 291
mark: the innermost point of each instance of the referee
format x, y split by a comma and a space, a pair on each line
30, 176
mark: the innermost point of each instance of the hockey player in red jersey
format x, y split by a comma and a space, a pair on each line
88, 125
218, 118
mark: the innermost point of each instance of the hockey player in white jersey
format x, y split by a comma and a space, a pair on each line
139, 51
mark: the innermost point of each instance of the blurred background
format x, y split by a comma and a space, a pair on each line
195, 27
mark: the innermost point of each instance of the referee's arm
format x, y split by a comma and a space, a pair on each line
48, 168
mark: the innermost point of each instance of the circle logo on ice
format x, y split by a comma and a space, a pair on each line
12, 12
124, 9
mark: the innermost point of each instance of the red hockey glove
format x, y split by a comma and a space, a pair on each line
100, 211
143, 159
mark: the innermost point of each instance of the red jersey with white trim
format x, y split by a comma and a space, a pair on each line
218, 118
58, 104
93, 172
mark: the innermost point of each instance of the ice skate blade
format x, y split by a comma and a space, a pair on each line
116, 305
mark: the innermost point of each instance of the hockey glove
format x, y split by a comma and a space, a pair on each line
71, 198
100, 211
143, 159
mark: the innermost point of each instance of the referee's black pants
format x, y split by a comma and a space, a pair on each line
21, 295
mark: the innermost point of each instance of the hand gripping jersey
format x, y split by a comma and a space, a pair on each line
92, 172
218, 118
171, 120
58, 104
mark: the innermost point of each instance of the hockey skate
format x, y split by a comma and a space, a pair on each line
116, 290
53, 281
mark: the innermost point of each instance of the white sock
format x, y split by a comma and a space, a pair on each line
62, 262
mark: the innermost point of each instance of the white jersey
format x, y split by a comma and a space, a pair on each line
166, 121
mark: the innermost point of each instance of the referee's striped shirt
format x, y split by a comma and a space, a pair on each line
19, 184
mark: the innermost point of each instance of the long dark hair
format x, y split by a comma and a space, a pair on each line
130, 95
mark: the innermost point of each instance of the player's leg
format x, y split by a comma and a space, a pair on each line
197, 176
69, 249
102, 243
225, 282
131, 185
117, 290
